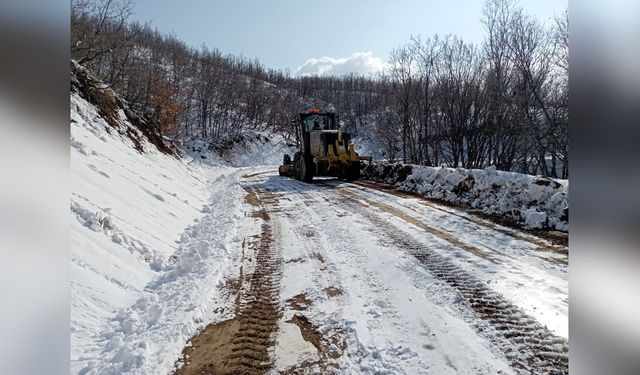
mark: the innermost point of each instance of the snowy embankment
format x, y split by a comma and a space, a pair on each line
151, 239
248, 149
533, 201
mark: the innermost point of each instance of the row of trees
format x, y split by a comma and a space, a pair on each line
503, 104
444, 101
441, 100
186, 92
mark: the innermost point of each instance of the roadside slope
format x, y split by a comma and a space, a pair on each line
146, 268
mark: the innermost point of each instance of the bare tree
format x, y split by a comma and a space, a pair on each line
94, 25
427, 54
401, 65
440, 101
505, 128
529, 45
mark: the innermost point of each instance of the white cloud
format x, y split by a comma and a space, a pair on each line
364, 63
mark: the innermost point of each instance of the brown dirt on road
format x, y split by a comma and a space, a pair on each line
262, 214
210, 350
252, 198
241, 345
332, 291
308, 331
299, 302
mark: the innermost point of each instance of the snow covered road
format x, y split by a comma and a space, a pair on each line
346, 277
273, 275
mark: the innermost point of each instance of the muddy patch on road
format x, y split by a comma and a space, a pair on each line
299, 302
332, 291
243, 345
262, 214
330, 345
251, 198
309, 332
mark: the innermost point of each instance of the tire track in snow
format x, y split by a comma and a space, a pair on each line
378, 309
242, 345
538, 350
434, 231
543, 244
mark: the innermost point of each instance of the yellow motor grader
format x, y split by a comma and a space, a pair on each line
324, 149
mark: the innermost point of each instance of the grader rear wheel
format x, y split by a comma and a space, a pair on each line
307, 168
296, 165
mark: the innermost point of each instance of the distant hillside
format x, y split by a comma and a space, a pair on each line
440, 101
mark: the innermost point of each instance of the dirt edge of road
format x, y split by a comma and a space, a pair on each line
242, 345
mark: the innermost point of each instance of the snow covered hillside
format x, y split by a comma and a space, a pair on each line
142, 266
533, 201
247, 149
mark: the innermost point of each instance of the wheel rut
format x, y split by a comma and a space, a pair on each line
530, 347
243, 345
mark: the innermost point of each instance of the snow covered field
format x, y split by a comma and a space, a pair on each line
278, 275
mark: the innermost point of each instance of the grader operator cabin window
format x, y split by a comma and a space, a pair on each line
319, 122
315, 122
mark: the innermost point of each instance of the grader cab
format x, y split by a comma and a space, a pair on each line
324, 149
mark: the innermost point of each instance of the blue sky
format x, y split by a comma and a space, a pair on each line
353, 34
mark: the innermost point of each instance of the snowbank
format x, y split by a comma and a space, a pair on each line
533, 201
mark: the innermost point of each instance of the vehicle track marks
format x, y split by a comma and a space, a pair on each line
530, 347
243, 345
436, 232
544, 243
